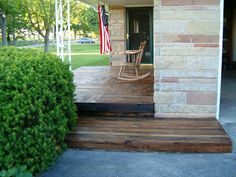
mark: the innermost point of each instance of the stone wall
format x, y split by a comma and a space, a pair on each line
186, 57
117, 35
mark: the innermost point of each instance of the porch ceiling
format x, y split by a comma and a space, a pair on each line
130, 3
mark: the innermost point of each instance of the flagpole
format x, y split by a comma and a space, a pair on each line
69, 37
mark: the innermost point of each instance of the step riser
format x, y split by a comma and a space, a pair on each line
115, 114
139, 147
116, 110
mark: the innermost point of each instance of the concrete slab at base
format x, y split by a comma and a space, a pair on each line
77, 163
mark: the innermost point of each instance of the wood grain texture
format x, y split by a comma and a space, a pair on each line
135, 134
99, 92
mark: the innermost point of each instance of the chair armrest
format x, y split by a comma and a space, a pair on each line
130, 52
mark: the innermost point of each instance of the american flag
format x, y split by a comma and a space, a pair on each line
105, 46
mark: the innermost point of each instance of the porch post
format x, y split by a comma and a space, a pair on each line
63, 49
69, 37
220, 58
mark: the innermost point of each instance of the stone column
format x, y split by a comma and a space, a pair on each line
186, 57
117, 34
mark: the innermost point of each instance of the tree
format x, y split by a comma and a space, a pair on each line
15, 24
76, 17
83, 18
91, 17
3, 27
7, 8
41, 15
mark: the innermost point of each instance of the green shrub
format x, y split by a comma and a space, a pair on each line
16, 172
36, 108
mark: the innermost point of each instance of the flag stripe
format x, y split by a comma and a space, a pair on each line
105, 46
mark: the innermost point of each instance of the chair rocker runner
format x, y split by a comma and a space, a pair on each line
130, 70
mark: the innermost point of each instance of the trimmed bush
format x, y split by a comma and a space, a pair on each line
36, 108
16, 172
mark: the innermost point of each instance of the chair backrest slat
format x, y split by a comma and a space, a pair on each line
141, 51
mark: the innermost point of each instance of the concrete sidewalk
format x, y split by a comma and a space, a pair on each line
78, 163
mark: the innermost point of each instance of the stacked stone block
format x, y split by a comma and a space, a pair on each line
117, 35
186, 57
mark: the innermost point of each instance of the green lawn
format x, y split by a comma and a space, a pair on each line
86, 48
89, 60
84, 55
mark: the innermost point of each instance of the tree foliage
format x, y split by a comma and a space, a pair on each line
84, 19
8, 9
9, 6
41, 15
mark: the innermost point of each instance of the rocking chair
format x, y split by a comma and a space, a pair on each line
130, 70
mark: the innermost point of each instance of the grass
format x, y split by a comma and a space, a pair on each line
86, 48
81, 48
89, 60
84, 55
87, 55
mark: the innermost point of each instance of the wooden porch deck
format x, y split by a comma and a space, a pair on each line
118, 115
99, 91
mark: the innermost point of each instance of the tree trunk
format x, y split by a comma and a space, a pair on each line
8, 38
46, 42
54, 33
14, 36
4, 27
75, 34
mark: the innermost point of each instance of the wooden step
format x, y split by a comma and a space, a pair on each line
149, 134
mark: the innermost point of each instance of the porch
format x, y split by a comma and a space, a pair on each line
119, 115
99, 92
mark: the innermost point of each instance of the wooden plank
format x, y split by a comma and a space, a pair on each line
105, 79
176, 131
151, 123
156, 126
110, 138
161, 147
131, 134
173, 145
83, 117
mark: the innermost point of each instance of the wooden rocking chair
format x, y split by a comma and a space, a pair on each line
130, 71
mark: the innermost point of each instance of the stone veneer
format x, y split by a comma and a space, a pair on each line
117, 35
186, 57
